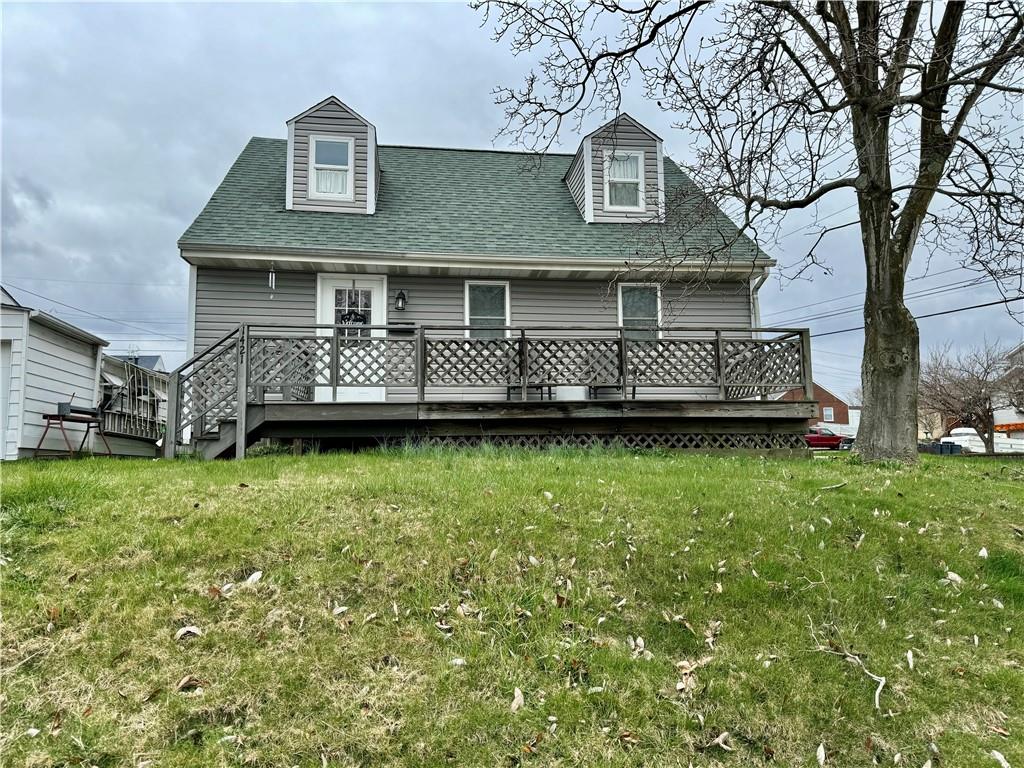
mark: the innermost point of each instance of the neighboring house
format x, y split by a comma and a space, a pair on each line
149, 362
134, 399
833, 411
380, 293
1009, 421
45, 361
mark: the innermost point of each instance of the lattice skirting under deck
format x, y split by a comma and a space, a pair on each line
641, 441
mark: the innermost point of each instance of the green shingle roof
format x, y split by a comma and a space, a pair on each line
440, 201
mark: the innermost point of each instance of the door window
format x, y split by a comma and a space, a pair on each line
353, 307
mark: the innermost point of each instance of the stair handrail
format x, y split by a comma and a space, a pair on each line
173, 393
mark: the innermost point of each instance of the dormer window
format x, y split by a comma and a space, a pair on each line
623, 181
330, 167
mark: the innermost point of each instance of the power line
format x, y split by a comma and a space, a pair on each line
93, 314
94, 282
922, 294
855, 293
922, 317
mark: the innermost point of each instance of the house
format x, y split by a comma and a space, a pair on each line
133, 398
45, 361
833, 411
149, 362
1009, 420
346, 290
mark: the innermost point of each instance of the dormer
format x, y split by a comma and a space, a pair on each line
618, 174
332, 160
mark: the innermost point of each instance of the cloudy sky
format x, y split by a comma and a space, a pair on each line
120, 120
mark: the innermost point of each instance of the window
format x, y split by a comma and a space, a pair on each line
640, 307
827, 414
623, 181
487, 304
330, 168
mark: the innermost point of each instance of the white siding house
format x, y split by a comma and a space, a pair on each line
45, 361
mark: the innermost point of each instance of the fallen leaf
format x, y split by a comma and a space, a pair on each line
458, 662
189, 631
188, 683
820, 754
954, 578
910, 660
722, 740
998, 757
254, 577
517, 700
982, 552
369, 618
549, 495
32, 732
835, 487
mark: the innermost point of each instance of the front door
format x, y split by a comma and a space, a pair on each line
352, 302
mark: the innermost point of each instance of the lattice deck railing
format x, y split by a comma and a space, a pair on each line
319, 362
299, 362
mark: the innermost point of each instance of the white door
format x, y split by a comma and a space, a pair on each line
352, 301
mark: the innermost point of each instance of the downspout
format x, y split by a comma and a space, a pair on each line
755, 303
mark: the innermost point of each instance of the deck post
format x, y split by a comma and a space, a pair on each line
805, 360
241, 392
623, 361
524, 365
171, 429
334, 367
720, 364
421, 364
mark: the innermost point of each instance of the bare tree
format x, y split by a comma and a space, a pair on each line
970, 386
907, 105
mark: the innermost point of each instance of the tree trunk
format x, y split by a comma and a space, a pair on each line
889, 374
892, 359
988, 427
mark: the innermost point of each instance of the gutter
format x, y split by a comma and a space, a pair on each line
66, 328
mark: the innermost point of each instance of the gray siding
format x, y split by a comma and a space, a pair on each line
13, 336
227, 297
56, 367
332, 120
576, 180
440, 301
624, 134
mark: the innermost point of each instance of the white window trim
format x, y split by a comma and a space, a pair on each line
508, 302
608, 153
311, 192
828, 414
655, 286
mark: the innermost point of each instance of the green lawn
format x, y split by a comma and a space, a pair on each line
405, 596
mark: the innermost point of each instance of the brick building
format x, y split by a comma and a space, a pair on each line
832, 409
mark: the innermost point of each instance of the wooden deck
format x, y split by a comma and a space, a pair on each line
685, 388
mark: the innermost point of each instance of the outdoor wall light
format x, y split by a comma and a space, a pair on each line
400, 300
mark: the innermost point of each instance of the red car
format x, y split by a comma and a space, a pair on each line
825, 439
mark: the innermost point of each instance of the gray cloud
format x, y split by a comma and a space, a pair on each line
120, 120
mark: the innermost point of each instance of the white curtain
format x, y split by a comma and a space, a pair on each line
625, 167
330, 182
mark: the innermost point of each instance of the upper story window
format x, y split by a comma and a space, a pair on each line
827, 414
640, 308
487, 306
624, 181
330, 167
